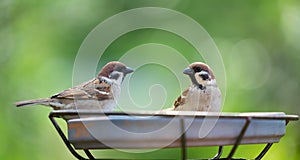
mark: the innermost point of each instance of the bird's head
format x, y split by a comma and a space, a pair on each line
115, 70
200, 74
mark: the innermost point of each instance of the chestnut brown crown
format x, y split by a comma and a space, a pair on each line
114, 66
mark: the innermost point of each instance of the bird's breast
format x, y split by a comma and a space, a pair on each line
201, 100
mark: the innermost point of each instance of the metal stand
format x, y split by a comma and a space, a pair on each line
264, 151
66, 141
219, 154
239, 138
183, 140
54, 115
267, 147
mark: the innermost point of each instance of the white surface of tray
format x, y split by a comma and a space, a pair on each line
160, 130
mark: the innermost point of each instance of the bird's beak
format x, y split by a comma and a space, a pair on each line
128, 70
188, 71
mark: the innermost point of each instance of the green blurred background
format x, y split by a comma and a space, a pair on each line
39, 40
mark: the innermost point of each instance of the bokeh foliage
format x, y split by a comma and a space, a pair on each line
39, 40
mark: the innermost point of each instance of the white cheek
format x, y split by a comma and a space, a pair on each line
120, 77
199, 79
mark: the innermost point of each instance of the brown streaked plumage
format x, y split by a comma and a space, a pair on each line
98, 93
203, 94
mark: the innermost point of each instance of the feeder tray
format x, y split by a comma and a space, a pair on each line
91, 129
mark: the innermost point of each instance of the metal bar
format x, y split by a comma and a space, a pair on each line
62, 135
267, 147
239, 138
264, 151
188, 114
286, 122
89, 154
219, 154
183, 139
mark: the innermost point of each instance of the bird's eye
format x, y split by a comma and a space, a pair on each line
197, 69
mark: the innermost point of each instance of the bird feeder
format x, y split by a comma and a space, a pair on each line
95, 130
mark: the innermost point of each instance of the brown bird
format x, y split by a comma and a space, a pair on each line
203, 94
100, 93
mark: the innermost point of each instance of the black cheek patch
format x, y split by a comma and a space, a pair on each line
114, 76
204, 76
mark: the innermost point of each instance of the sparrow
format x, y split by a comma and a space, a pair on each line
101, 92
203, 94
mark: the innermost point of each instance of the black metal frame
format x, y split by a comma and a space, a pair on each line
57, 114
65, 139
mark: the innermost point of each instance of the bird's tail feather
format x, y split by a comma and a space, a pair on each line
42, 101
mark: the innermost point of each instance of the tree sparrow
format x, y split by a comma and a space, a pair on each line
203, 94
101, 92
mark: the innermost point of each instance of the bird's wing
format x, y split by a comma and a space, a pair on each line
97, 88
104, 81
181, 99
